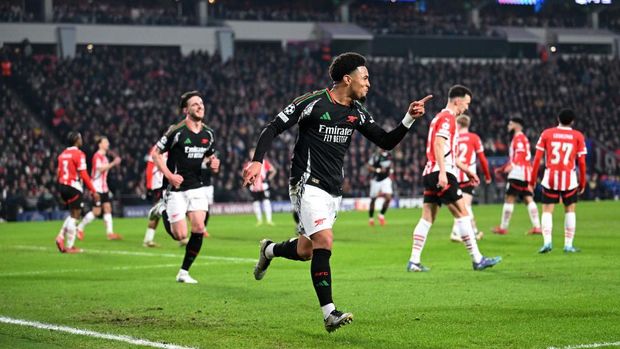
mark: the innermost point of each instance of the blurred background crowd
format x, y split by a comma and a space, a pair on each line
130, 94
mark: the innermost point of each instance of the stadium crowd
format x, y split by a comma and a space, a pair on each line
442, 17
27, 161
132, 95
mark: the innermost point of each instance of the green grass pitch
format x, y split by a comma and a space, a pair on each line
122, 288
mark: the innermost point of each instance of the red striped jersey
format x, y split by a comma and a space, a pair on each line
520, 157
562, 146
70, 162
443, 125
468, 145
100, 178
261, 183
154, 177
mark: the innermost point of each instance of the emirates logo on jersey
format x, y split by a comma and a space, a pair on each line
351, 119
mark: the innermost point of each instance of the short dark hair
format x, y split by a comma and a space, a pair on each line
72, 137
185, 97
566, 116
344, 64
518, 120
459, 91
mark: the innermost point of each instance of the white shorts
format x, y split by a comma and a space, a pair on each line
210, 194
178, 203
380, 187
316, 208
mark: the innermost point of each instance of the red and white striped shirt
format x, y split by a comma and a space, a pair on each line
562, 147
443, 125
261, 184
520, 157
469, 144
154, 177
70, 162
100, 178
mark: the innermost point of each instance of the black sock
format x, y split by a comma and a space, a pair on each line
371, 208
206, 218
164, 216
192, 249
321, 275
385, 208
296, 217
287, 249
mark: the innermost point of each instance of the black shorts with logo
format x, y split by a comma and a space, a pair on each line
434, 195
103, 198
467, 188
553, 196
260, 195
71, 196
517, 188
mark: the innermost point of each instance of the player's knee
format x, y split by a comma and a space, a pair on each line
304, 252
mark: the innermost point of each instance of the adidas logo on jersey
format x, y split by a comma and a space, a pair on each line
188, 141
326, 116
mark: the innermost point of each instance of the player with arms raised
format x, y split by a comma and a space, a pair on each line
562, 147
326, 119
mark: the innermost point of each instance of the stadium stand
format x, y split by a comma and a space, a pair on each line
132, 98
130, 93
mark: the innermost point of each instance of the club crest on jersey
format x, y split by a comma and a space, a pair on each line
351, 119
204, 141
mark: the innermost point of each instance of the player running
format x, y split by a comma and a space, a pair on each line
469, 149
519, 170
71, 163
326, 119
441, 185
380, 166
562, 146
99, 172
187, 144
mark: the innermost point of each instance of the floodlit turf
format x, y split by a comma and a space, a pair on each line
528, 301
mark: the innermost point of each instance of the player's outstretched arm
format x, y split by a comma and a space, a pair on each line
388, 140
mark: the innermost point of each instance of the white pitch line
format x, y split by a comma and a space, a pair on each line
137, 253
88, 333
39, 272
586, 346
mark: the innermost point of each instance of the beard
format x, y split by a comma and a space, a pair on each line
195, 117
362, 99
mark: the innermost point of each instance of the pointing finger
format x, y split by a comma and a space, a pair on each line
425, 99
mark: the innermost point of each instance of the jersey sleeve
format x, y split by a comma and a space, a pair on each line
443, 127
167, 140
97, 163
581, 146
285, 119
212, 143
542, 142
80, 161
477, 143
